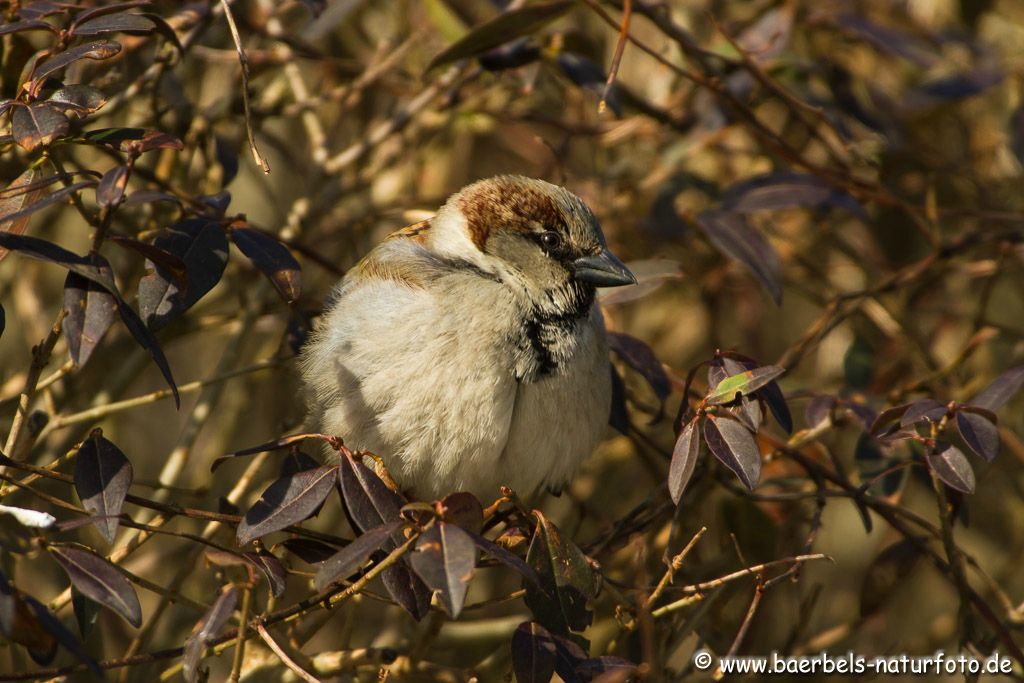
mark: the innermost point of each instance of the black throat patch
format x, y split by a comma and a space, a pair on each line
549, 334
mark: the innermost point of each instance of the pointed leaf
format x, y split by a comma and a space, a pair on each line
287, 501
735, 238
407, 589
507, 558
102, 477
110, 191
126, 22
87, 612
639, 356
18, 219
784, 190
309, 551
923, 409
463, 509
533, 653
567, 580
735, 447
206, 629
272, 259
54, 627
201, 245
37, 124
952, 467
99, 580
346, 561
979, 433
103, 49
91, 310
684, 460
368, 500
445, 557
1000, 390
267, 562
16, 197
744, 383
502, 29
79, 98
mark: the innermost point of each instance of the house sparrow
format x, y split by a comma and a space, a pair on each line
467, 351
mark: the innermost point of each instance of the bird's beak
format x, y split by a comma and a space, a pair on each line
602, 270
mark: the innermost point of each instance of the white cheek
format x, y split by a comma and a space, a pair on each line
449, 236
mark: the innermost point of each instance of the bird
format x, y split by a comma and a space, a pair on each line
468, 351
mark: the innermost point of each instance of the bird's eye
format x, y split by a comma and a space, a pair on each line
551, 240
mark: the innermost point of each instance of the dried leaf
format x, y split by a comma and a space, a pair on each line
735, 238
99, 580
445, 557
272, 259
37, 124
502, 29
735, 447
103, 476
684, 460
287, 501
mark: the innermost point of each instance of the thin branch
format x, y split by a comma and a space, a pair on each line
244, 61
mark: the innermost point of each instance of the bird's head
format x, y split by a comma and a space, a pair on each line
529, 231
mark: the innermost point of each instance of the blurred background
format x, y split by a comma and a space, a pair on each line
832, 187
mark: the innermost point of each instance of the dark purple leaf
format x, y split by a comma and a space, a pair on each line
507, 558
684, 460
227, 157
818, 410
464, 510
103, 49
125, 22
272, 259
40, 9
952, 88
87, 612
368, 500
110, 191
34, 25
18, 219
102, 477
146, 340
296, 461
203, 248
287, 501
923, 409
784, 190
113, 137
345, 562
735, 447
99, 580
266, 562
502, 29
1000, 390
951, 466
109, 8
79, 98
172, 264
52, 625
639, 356
735, 238
445, 557
533, 653
511, 55
22, 192
618, 415
588, 75
407, 589
91, 310
743, 384
888, 420
37, 124
886, 572
309, 550
979, 433
161, 26
567, 581
206, 630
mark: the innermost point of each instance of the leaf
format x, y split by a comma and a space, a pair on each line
464, 510
37, 124
91, 310
18, 26
110, 191
109, 8
99, 580
368, 500
818, 410
296, 461
618, 414
732, 363
287, 501
52, 625
18, 219
172, 264
735, 447
407, 589
102, 477
15, 197
743, 384
346, 561
883, 576
267, 562
150, 140
588, 75
505, 557
923, 409
951, 466
567, 581
979, 433
80, 98
309, 550
684, 460
202, 247
206, 630
103, 49
639, 356
272, 259
87, 612
533, 653
445, 557
1000, 390
735, 238
650, 274
512, 55
125, 22
502, 29
785, 190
